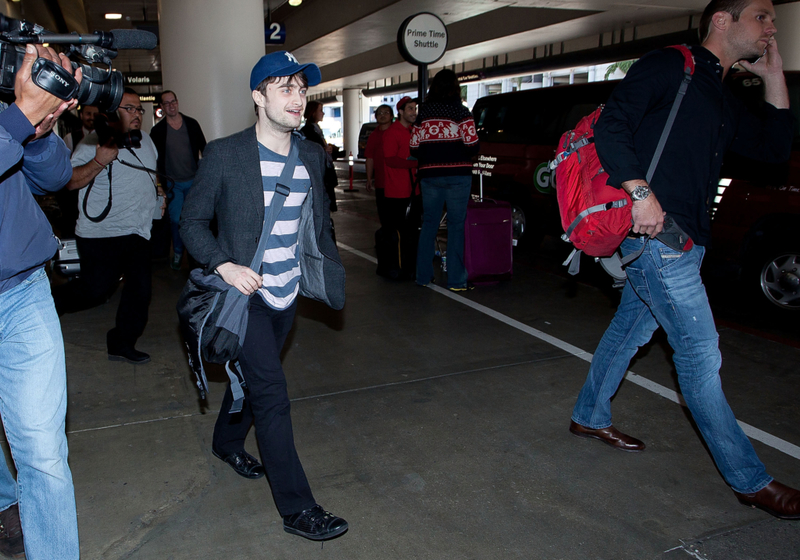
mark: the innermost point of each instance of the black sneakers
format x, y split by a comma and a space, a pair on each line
315, 524
11, 544
123, 351
130, 355
243, 463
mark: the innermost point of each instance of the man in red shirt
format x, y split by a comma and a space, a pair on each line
374, 154
398, 187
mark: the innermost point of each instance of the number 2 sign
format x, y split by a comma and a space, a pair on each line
275, 34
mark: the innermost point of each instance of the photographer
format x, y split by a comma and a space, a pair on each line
32, 372
117, 204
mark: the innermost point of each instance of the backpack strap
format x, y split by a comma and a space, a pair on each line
688, 71
591, 210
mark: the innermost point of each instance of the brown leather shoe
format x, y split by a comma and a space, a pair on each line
776, 499
11, 544
610, 435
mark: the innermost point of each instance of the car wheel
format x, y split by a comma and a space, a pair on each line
780, 279
518, 224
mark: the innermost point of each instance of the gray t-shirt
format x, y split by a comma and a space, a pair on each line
180, 164
134, 192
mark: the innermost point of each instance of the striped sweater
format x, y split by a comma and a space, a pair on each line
280, 269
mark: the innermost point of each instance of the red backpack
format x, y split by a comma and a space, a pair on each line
596, 217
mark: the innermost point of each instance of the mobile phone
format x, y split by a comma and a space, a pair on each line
755, 61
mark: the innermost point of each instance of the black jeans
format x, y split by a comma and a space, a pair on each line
103, 261
398, 218
380, 203
267, 404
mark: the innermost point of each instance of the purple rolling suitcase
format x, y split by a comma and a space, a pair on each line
488, 241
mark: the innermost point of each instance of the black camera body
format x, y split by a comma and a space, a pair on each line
106, 133
100, 87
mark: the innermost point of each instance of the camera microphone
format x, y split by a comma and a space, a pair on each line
114, 39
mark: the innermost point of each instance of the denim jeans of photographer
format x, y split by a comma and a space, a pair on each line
33, 402
664, 289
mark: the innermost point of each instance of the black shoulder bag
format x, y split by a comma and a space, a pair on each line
213, 314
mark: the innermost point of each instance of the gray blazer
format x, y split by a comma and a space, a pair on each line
228, 186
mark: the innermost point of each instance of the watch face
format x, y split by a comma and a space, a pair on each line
640, 193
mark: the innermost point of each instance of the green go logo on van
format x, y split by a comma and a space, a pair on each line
544, 179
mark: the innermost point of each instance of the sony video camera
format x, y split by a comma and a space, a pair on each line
100, 87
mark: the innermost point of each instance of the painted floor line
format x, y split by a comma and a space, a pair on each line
670, 394
325, 395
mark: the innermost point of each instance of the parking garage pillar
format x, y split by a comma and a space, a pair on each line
788, 17
351, 111
207, 51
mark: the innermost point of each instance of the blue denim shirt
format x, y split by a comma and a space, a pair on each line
36, 167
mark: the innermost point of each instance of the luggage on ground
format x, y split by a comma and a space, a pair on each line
488, 241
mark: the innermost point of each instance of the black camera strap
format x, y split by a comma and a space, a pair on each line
170, 180
141, 168
102, 215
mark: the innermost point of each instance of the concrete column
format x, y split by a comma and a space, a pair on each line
208, 48
787, 21
351, 113
149, 117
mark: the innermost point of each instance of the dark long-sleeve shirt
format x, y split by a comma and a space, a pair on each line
26, 168
710, 122
197, 140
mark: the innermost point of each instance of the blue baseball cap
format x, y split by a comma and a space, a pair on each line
282, 63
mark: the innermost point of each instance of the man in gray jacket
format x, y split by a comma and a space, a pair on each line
235, 181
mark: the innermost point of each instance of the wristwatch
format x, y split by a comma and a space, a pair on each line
640, 192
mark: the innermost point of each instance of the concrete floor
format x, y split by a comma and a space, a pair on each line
436, 428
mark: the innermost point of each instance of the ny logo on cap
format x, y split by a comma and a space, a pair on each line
291, 57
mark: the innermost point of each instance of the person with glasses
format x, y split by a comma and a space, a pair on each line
374, 155
180, 143
118, 201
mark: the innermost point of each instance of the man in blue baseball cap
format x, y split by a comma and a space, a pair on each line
236, 182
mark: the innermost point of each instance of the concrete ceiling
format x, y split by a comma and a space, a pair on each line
353, 41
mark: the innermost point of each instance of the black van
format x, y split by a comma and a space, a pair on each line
756, 215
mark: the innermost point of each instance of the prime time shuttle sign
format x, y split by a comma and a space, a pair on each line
422, 39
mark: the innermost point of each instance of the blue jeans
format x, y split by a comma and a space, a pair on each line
176, 198
436, 192
664, 288
33, 404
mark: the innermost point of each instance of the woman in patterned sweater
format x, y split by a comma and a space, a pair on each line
444, 141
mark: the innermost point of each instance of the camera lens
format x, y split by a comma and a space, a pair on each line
100, 88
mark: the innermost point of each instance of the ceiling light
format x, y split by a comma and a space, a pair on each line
295, 2
113, 16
